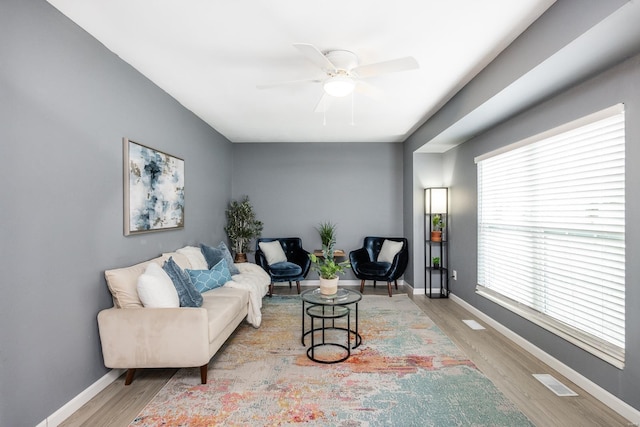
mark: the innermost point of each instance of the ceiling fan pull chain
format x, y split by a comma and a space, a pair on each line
324, 111
352, 101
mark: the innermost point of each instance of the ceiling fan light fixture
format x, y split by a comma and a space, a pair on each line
339, 86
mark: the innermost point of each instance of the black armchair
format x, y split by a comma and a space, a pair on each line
373, 262
294, 268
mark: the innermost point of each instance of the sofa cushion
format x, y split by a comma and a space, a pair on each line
214, 255
285, 269
205, 280
196, 259
123, 282
375, 268
273, 252
223, 305
156, 289
389, 250
187, 293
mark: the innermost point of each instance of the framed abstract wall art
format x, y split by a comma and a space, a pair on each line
153, 190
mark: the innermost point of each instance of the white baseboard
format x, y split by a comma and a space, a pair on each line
316, 282
595, 390
347, 282
622, 408
76, 403
422, 291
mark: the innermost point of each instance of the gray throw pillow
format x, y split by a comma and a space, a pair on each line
214, 255
187, 293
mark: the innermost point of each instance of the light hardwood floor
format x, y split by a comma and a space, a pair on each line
506, 364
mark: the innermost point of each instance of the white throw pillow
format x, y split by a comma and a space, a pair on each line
273, 252
389, 250
196, 259
155, 288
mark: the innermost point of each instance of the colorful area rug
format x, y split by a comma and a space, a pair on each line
406, 372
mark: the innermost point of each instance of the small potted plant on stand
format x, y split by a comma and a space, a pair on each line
328, 269
438, 225
327, 231
436, 261
242, 226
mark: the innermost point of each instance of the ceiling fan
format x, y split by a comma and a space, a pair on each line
343, 73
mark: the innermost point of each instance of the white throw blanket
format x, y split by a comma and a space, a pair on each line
254, 279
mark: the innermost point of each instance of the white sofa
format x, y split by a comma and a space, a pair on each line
134, 337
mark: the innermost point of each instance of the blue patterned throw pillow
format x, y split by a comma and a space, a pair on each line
214, 255
187, 293
205, 280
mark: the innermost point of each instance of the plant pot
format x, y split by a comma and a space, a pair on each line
240, 257
436, 236
437, 266
329, 286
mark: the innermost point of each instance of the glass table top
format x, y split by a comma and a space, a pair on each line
341, 297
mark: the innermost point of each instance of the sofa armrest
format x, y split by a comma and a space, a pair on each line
154, 337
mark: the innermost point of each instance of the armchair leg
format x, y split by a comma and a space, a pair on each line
270, 289
298, 285
389, 288
362, 286
289, 284
203, 373
129, 378
374, 283
396, 284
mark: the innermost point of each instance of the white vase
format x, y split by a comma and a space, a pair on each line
328, 286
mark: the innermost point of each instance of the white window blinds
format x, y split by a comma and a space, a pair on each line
551, 231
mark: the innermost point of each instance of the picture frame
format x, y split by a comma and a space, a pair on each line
153, 189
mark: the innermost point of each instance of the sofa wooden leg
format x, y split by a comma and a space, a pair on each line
374, 283
129, 378
289, 284
270, 289
396, 284
389, 288
203, 373
298, 285
362, 286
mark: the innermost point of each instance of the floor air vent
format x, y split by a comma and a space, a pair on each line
554, 385
473, 325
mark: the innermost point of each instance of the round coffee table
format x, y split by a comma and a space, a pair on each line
328, 308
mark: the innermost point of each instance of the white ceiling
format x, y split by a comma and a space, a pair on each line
211, 54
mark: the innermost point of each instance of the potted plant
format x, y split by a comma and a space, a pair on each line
327, 231
328, 269
436, 231
242, 226
436, 261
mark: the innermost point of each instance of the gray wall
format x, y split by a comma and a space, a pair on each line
429, 173
565, 21
294, 187
619, 84
604, 84
65, 104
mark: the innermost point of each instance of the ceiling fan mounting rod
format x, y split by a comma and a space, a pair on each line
339, 72
342, 60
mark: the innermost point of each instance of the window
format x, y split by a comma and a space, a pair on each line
551, 231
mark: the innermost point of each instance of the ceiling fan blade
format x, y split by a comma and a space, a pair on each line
314, 55
286, 83
324, 104
385, 67
368, 90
